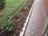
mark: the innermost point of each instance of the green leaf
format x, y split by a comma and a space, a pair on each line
11, 8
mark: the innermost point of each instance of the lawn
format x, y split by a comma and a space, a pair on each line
11, 8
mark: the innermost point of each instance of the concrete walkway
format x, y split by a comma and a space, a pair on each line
38, 19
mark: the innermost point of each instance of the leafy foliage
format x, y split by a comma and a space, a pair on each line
2, 3
11, 8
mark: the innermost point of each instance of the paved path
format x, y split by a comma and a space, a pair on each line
38, 20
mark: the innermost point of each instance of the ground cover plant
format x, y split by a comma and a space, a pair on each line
10, 9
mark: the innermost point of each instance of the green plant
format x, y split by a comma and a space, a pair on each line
11, 8
2, 3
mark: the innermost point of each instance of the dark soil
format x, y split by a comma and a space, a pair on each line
18, 21
20, 18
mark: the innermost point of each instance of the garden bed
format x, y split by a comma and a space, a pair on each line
18, 21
